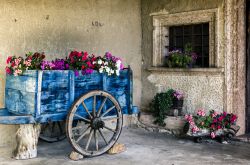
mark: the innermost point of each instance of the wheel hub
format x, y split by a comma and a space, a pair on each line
97, 123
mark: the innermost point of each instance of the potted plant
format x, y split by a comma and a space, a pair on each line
214, 125
165, 103
181, 59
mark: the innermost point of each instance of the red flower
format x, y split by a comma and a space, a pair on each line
13, 64
212, 126
218, 127
7, 69
220, 118
85, 56
8, 59
79, 54
83, 67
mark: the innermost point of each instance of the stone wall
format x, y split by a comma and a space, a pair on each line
201, 86
58, 26
219, 88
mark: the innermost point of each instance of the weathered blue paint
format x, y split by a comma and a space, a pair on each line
7, 117
44, 96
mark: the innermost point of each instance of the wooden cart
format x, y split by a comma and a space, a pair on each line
92, 105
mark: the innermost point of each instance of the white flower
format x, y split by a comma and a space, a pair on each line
106, 63
99, 62
117, 72
112, 71
93, 62
101, 70
118, 64
107, 69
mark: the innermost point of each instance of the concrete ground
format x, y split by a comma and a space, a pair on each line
145, 148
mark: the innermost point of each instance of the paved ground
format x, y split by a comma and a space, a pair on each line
146, 148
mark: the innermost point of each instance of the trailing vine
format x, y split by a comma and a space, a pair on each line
160, 105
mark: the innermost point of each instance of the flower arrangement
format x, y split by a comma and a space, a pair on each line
162, 104
75, 61
179, 95
213, 122
108, 64
181, 59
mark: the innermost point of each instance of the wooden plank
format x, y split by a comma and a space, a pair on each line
22, 83
20, 102
9, 118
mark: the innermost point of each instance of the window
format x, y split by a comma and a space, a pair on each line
174, 30
197, 35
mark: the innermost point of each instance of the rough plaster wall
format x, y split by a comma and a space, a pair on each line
58, 26
201, 90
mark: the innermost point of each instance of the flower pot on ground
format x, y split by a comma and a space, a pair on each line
215, 124
163, 105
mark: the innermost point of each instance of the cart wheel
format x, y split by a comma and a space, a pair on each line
53, 131
198, 139
99, 126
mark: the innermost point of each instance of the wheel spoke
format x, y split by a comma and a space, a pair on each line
96, 141
94, 105
110, 109
84, 119
99, 110
83, 134
110, 118
103, 136
109, 129
86, 109
89, 139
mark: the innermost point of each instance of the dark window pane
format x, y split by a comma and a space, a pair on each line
178, 30
197, 35
197, 40
205, 41
197, 29
187, 39
188, 30
205, 29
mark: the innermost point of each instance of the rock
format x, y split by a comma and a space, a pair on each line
75, 156
117, 148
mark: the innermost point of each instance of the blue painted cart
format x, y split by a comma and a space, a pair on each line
92, 105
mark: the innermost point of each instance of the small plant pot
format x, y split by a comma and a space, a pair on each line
177, 104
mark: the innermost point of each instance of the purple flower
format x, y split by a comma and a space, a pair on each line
59, 64
76, 73
87, 71
178, 94
47, 65
108, 55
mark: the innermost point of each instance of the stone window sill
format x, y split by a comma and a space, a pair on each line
187, 70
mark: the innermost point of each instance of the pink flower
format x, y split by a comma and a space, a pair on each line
27, 62
9, 59
214, 114
201, 112
195, 129
192, 124
17, 72
17, 61
7, 69
212, 135
218, 127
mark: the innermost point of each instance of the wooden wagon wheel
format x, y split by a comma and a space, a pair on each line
53, 131
99, 125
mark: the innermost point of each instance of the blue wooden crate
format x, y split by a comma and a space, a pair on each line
48, 95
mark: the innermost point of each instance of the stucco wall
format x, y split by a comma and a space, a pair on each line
202, 88
58, 26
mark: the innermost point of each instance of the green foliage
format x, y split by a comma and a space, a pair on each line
161, 104
181, 59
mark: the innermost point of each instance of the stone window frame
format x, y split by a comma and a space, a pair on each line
162, 20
